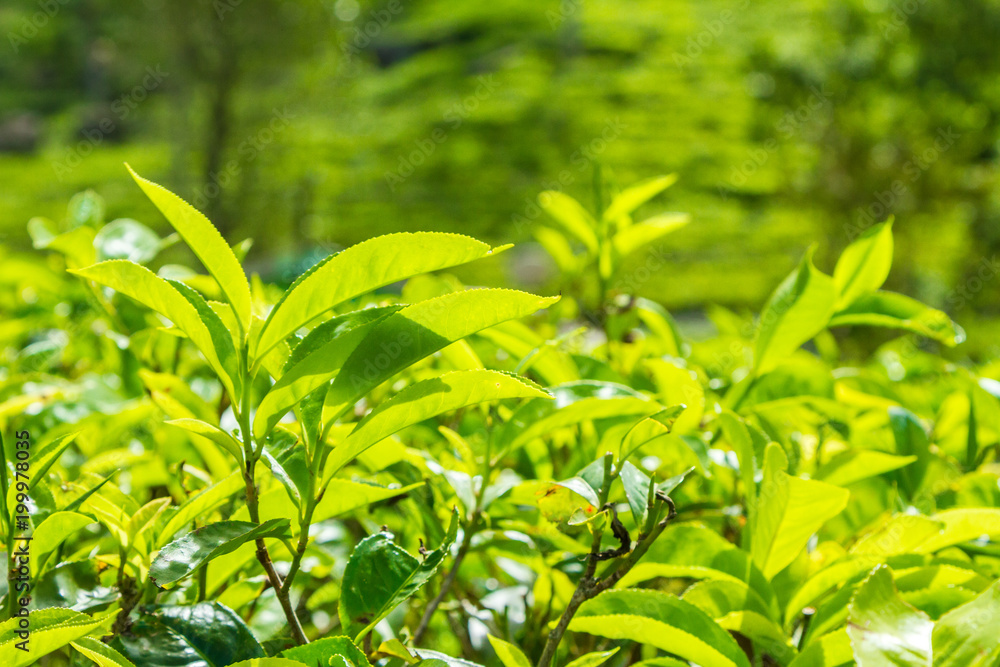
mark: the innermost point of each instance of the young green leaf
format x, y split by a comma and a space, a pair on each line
660, 620
45, 456
575, 402
736, 432
696, 552
185, 555
510, 655
962, 525
102, 654
797, 310
767, 636
595, 659
643, 233
313, 363
855, 465
418, 331
864, 265
571, 217
424, 400
213, 434
823, 582
206, 242
54, 529
636, 484
911, 440
319, 652
885, 630
896, 311
200, 325
830, 650
789, 511
631, 198
359, 270
51, 629
719, 597
966, 636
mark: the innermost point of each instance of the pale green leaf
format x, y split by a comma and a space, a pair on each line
643, 233
885, 631
213, 434
202, 326
359, 270
967, 636
864, 265
830, 650
962, 525
896, 311
631, 198
767, 636
56, 528
739, 438
206, 242
418, 331
102, 654
571, 217
593, 659
51, 629
797, 310
313, 363
789, 511
426, 399
857, 464
660, 620
510, 655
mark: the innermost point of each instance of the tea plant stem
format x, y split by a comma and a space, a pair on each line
311, 500
300, 549
584, 589
127, 592
463, 548
590, 586
263, 556
449, 580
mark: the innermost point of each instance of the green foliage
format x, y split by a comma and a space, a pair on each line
346, 473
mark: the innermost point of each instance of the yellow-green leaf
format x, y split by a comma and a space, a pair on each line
206, 242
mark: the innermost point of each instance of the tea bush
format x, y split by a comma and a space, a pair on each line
382, 465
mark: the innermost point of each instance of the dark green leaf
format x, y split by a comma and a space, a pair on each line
380, 575
183, 556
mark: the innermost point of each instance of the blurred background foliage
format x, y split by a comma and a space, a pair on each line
311, 125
